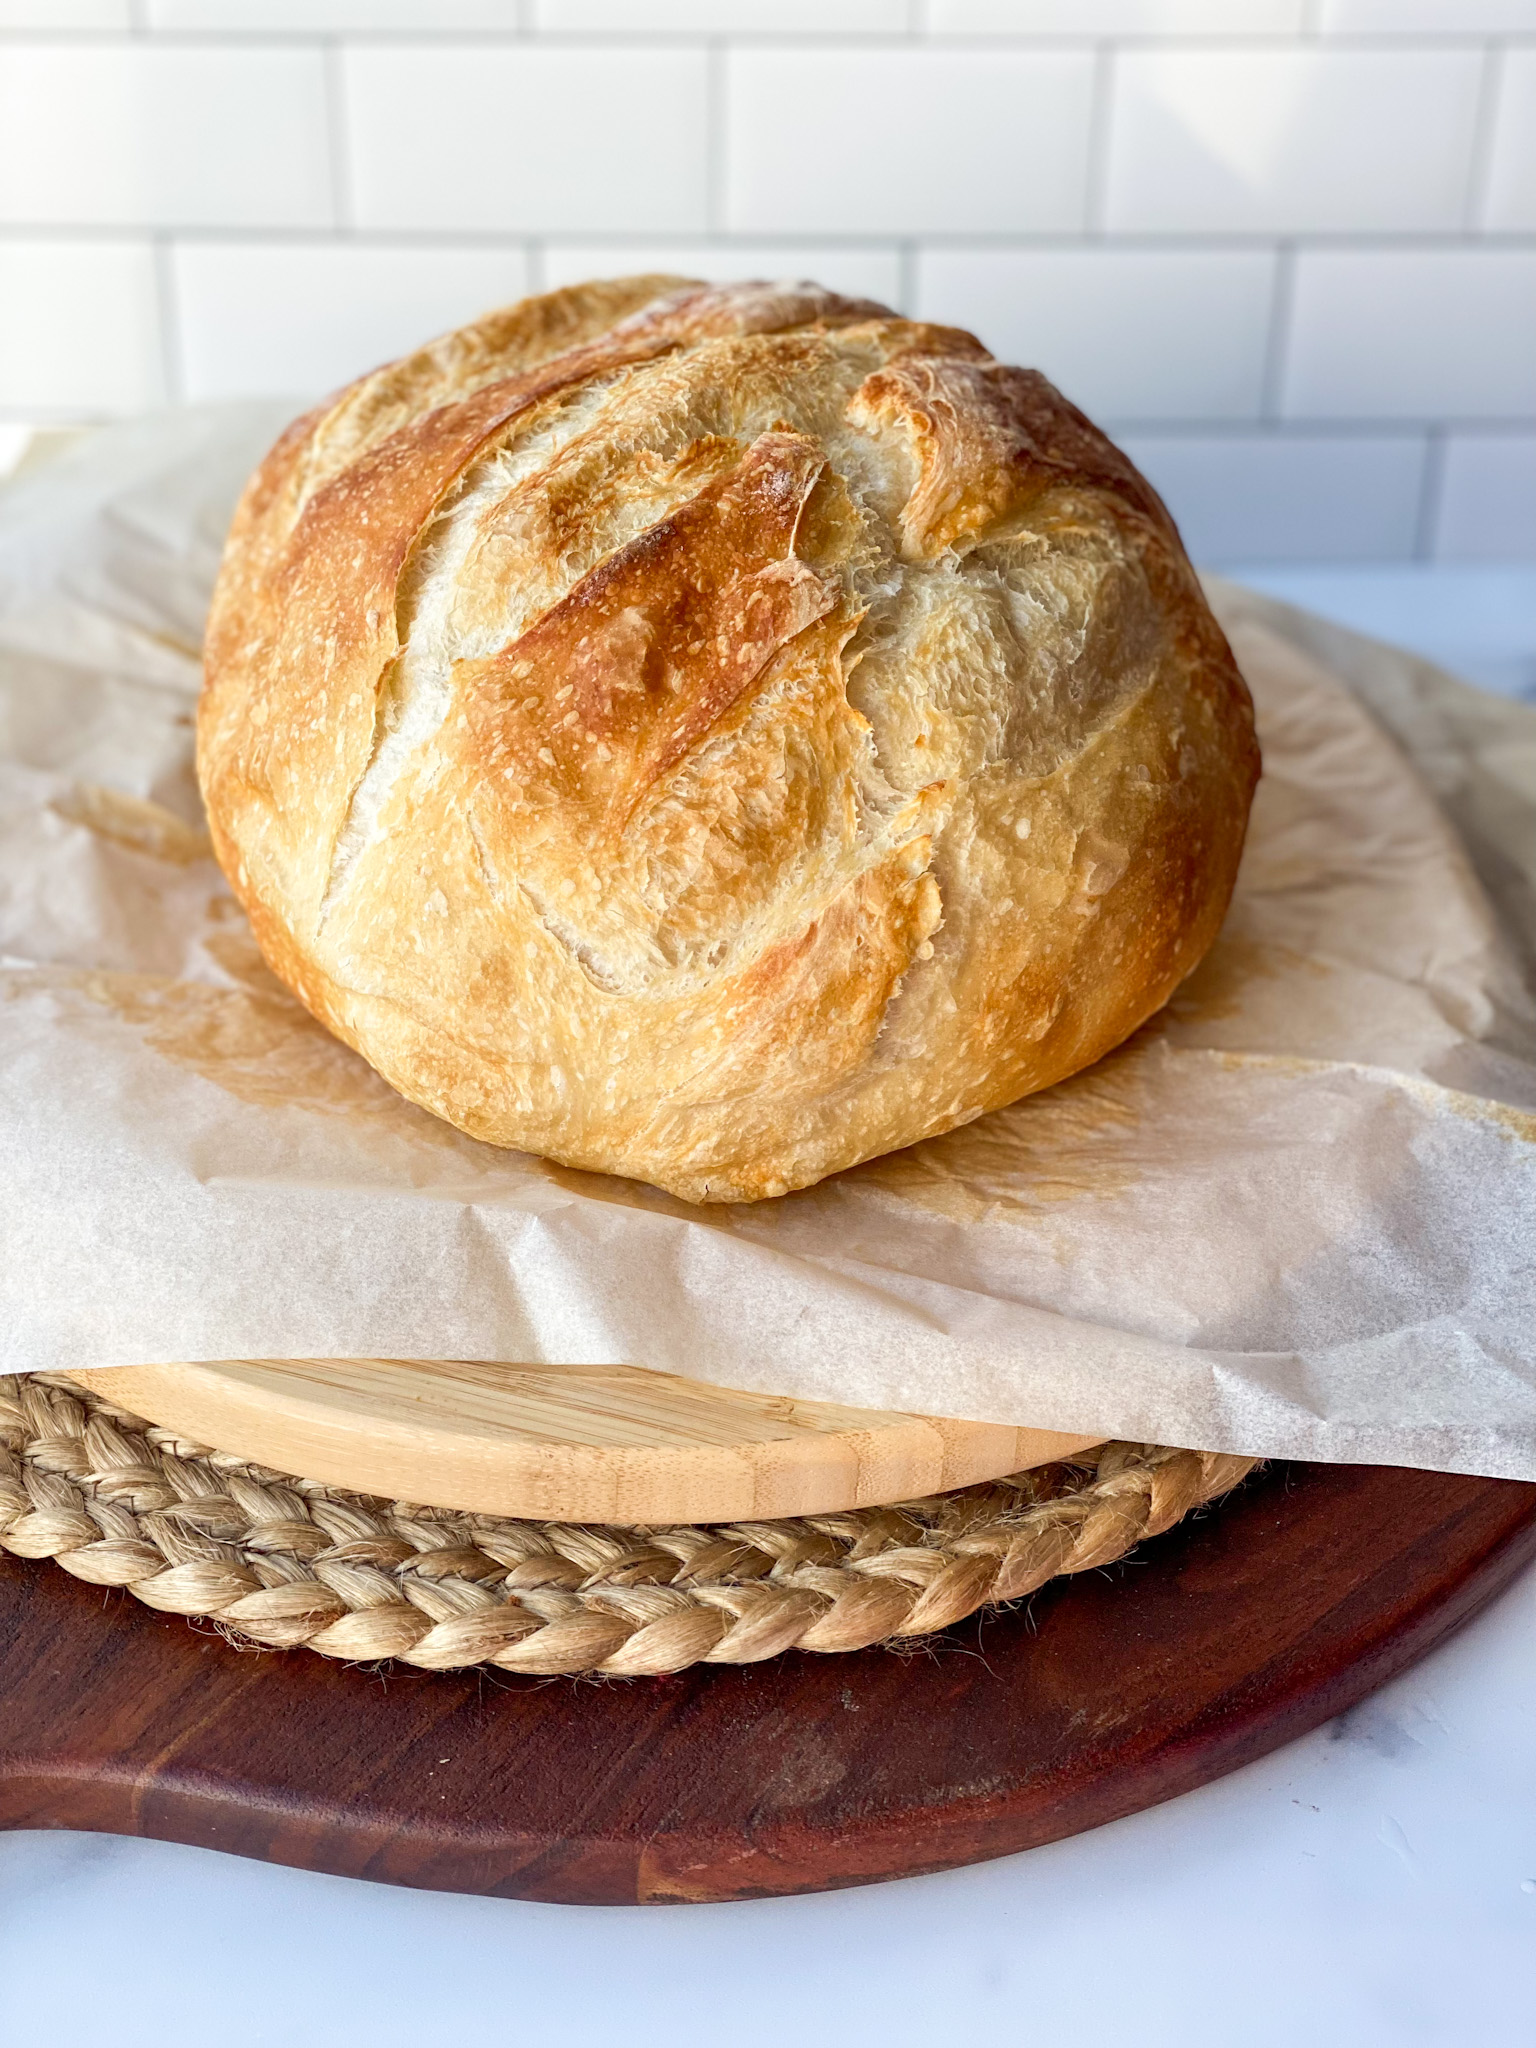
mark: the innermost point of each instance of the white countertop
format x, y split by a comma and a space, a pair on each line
1370, 1886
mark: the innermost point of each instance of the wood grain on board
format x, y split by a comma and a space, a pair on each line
608, 1443
1244, 1626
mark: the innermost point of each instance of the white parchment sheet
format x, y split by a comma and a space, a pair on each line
1295, 1216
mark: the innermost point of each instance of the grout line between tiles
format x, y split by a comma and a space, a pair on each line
1511, 241
1100, 115
168, 311
1019, 41
716, 88
907, 278
1431, 493
1480, 170
338, 139
1277, 341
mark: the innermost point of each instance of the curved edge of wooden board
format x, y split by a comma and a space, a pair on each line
582, 1444
1235, 1632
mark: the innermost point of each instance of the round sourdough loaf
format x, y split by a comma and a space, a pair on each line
717, 735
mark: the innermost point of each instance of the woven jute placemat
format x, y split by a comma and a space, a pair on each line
279, 1562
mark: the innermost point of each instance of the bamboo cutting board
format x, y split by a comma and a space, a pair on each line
574, 1443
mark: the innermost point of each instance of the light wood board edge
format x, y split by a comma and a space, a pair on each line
396, 1440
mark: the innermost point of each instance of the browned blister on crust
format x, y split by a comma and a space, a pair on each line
718, 734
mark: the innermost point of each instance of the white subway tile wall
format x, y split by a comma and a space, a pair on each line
1428, 17
1284, 249
1117, 17
725, 17
1510, 202
79, 327
54, 15
911, 141
516, 137
1298, 498
126, 134
1398, 333
344, 308
1291, 142
1112, 327
310, 17
1487, 508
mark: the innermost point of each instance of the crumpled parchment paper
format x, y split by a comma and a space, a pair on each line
1295, 1216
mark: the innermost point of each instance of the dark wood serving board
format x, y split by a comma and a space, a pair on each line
1115, 1690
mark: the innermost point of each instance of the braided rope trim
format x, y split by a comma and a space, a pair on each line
280, 1562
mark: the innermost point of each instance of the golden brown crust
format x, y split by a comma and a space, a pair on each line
718, 734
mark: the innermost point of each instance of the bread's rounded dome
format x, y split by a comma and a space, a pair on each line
716, 735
